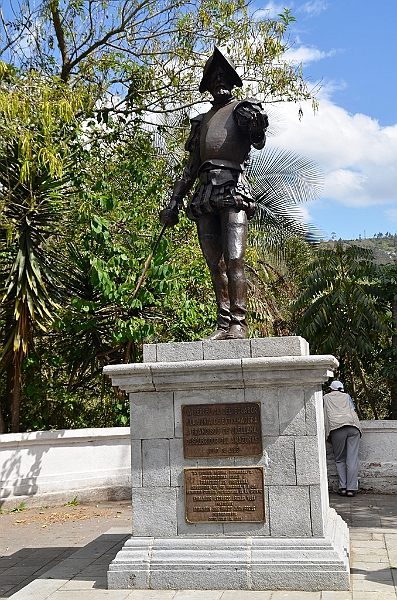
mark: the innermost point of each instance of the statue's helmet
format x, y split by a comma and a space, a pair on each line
217, 59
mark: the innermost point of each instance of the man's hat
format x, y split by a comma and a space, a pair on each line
336, 385
219, 60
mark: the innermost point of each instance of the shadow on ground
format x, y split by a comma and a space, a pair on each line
21, 568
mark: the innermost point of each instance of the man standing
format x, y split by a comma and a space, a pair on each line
219, 143
342, 428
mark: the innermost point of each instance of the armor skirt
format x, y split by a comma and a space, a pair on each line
218, 189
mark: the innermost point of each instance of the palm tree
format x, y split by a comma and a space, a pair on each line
339, 310
36, 129
388, 292
281, 181
29, 288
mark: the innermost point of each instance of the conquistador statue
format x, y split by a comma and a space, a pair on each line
219, 143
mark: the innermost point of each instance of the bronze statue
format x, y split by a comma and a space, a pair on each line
219, 143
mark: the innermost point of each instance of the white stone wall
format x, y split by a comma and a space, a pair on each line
377, 468
52, 467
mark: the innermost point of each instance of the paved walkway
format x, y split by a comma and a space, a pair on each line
63, 554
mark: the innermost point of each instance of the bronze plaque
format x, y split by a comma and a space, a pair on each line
214, 495
215, 430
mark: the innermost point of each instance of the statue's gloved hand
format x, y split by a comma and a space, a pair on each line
259, 124
169, 216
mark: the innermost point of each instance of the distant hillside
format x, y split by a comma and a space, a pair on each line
384, 246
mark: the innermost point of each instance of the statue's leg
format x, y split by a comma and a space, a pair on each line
210, 238
234, 241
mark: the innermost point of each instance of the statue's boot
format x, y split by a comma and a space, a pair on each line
220, 285
237, 284
218, 334
210, 237
237, 332
235, 239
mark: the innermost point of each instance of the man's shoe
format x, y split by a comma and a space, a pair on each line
237, 332
219, 334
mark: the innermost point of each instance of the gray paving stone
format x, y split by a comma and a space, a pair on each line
151, 595
336, 595
370, 544
279, 595
390, 595
39, 589
198, 595
367, 585
89, 594
85, 583
246, 595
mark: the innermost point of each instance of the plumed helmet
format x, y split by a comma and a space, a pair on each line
217, 59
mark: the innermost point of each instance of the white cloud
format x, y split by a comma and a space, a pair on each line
306, 54
357, 155
313, 8
326, 89
271, 10
392, 215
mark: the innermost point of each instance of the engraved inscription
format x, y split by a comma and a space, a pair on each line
214, 430
224, 494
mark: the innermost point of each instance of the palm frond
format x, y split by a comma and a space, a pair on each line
281, 180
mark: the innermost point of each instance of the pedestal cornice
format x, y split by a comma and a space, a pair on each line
225, 373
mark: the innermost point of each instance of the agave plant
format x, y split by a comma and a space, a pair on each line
29, 288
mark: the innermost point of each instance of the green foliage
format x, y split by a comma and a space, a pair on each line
82, 178
339, 312
19, 508
275, 274
34, 186
281, 181
151, 52
73, 502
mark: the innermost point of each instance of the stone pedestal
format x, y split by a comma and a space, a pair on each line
302, 543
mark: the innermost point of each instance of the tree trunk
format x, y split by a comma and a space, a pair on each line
16, 391
2, 423
353, 384
367, 392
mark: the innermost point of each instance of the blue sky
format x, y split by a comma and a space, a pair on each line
349, 46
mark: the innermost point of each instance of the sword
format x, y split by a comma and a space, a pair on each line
168, 218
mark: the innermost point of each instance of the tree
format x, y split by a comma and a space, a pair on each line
339, 313
149, 53
388, 292
34, 186
70, 61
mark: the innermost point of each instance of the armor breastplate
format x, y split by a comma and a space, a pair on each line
221, 138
